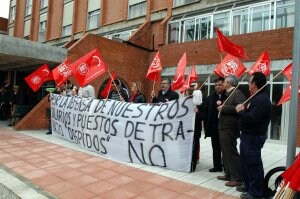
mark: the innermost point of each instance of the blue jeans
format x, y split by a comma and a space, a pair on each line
251, 163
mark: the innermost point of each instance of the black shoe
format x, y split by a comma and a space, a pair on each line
215, 170
49, 133
241, 188
248, 196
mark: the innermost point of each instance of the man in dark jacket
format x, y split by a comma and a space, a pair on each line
165, 94
215, 99
255, 117
118, 93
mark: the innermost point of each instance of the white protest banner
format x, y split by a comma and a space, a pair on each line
152, 134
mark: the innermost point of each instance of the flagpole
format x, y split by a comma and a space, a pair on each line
205, 81
221, 56
234, 89
153, 86
114, 83
261, 88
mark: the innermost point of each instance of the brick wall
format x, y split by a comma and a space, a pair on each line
3, 24
279, 44
36, 118
35, 21
80, 16
54, 19
114, 11
19, 19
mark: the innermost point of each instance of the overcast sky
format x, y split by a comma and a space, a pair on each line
4, 8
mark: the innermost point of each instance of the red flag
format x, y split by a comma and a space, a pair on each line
189, 80
230, 65
286, 95
154, 68
38, 77
108, 86
291, 171
287, 71
88, 67
295, 181
178, 80
62, 72
228, 46
261, 65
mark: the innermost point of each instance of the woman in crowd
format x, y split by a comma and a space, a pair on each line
137, 95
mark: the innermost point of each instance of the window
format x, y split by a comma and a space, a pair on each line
44, 3
221, 21
240, 21
285, 14
67, 30
12, 14
203, 28
27, 29
173, 34
93, 19
137, 10
260, 18
189, 30
182, 2
28, 7
42, 31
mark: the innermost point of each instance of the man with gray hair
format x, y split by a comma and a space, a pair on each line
165, 94
229, 132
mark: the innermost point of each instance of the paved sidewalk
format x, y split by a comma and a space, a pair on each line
50, 167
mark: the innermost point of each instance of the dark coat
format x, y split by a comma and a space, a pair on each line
201, 115
140, 98
168, 96
123, 93
212, 116
229, 119
256, 117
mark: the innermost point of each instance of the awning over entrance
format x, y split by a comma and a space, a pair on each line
20, 55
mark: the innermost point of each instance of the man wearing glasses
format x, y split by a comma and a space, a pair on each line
165, 94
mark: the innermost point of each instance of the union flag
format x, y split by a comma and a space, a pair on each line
62, 72
36, 79
287, 71
178, 80
104, 93
262, 64
230, 65
154, 68
189, 80
88, 67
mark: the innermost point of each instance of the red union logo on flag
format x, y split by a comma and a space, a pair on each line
230, 67
156, 64
64, 70
36, 80
262, 66
83, 69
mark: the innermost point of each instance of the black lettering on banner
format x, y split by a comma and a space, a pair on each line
96, 143
90, 122
186, 108
104, 105
120, 108
154, 131
180, 131
152, 107
96, 122
176, 102
162, 155
64, 102
107, 126
140, 110
127, 110
88, 141
131, 147
113, 107
137, 130
79, 119
165, 133
104, 151
161, 109
56, 127
129, 124
98, 106
81, 138
114, 128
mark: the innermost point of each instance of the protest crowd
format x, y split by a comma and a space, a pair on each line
225, 115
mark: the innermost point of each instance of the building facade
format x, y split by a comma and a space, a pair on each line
128, 34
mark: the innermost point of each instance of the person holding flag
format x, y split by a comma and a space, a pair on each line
117, 92
165, 94
254, 117
229, 132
